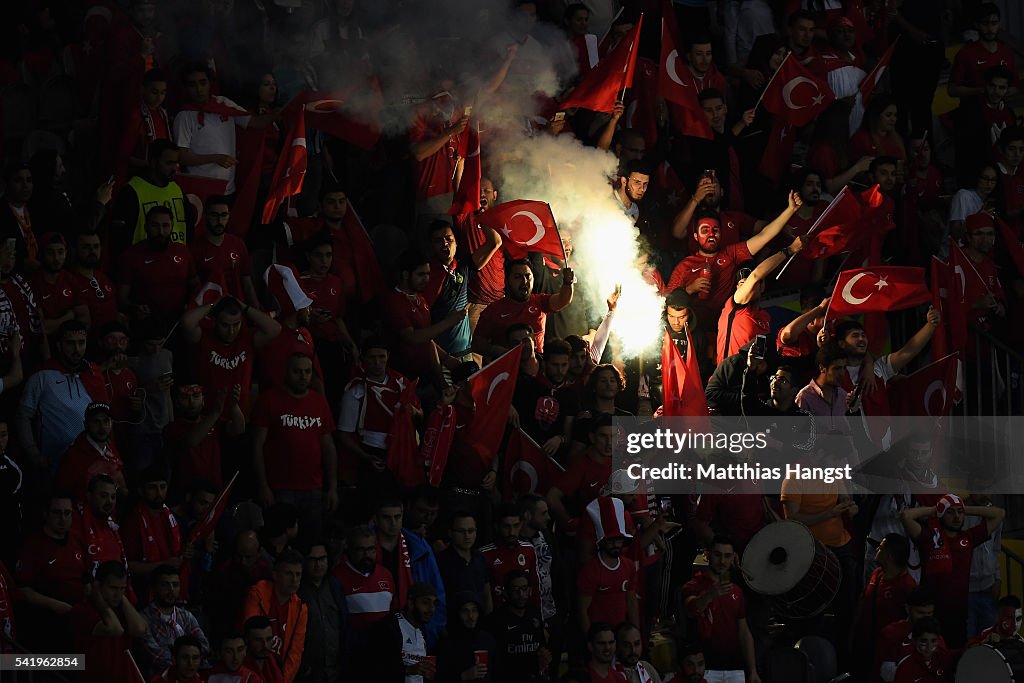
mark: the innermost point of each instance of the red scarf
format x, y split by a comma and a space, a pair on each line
437, 442
147, 120
403, 578
215, 105
155, 542
88, 373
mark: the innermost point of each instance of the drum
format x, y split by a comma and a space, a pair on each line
999, 663
795, 571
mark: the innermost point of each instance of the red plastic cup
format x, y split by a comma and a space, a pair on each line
480, 657
433, 667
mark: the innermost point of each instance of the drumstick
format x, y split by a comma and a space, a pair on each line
747, 575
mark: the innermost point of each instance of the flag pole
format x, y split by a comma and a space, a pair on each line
811, 231
769, 83
565, 259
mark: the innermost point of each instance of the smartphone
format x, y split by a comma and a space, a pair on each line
559, 116
618, 289
665, 507
467, 111
760, 347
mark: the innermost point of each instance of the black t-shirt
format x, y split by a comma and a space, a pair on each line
542, 409
518, 640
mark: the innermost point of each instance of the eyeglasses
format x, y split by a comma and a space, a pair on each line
100, 294
988, 178
780, 379
319, 558
190, 390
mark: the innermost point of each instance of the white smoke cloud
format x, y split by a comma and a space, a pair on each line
574, 180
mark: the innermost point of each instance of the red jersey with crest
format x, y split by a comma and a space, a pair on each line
895, 642
974, 59
223, 264
221, 365
56, 298
201, 461
607, 588
82, 461
501, 559
723, 276
884, 601
327, 297
158, 279
8, 595
98, 295
718, 623
101, 538
151, 535
369, 406
403, 310
121, 384
502, 314
56, 568
367, 596
946, 564
273, 365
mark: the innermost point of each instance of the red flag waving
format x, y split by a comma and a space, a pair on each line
795, 94
291, 167
682, 389
870, 82
492, 389
528, 469
361, 256
208, 524
525, 225
331, 112
601, 87
929, 392
958, 272
404, 460
437, 442
848, 222
883, 288
687, 114
467, 196
779, 150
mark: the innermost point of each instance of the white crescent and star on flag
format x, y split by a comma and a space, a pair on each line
787, 93
498, 379
851, 298
539, 230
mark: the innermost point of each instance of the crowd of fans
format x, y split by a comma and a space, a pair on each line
160, 355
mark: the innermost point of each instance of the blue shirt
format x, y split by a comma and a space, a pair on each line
454, 296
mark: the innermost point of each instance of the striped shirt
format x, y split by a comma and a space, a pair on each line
368, 596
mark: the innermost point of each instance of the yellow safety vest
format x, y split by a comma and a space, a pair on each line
149, 196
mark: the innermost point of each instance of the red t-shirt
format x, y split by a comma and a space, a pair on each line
294, 426
946, 564
582, 481
486, 285
615, 675
806, 345
718, 624
106, 658
723, 275
102, 542
121, 384
747, 322
151, 535
201, 461
864, 144
55, 568
502, 314
402, 311
82, 461
97, 294
740, 515
58, 298
974, 59
501, 559
924, 192
799, 271
224, 264
434, 175
884, 601
368, 596
328, 297
913, 669
158, 279
607, 587
220, 365
273, 363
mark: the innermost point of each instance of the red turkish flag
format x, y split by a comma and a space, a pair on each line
492, 388
779, 150
437, 442
404, 460
878, 289
197, 190
959, 270
525, 225
642, 109
362, 256
528, 469
930, 392
331, 112
870, 82
795, 94
467, 196
687, 115
682, 389
291, 167
601, 87
208, 524
847, 223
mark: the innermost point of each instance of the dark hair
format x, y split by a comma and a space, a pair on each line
518, 327
411, 259
813, 293
319, 239
997, 71
598, 627
185, 641
710, 94
721, 539
572, 9
100, 479
623, 628
228, 305
463, 371
800, 177
513, 575
288, 556
846, 327
557, 347
678, 298
511, 263
256, 623
202, 486
300, 355
881, 161
506, 510
216, 199
698, 39
829, 354
797, 16
634, 166
111, 569
926, 625
158, 147
528, 502
600, 420
375, 343
919, 597
591, 385
158, 210
197, 67
70, 327
576, 343
151, 474
154, 76
438, 226
898, 548
1009, 601
986, 10
461, 513
1011, 134
874, 109
231, 635
690, 649
387, 501
356, 532
330, 188
425, 492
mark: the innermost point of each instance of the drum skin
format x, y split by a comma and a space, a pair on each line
999, 663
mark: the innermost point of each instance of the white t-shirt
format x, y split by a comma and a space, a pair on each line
965, 203
414, 646
215, 136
